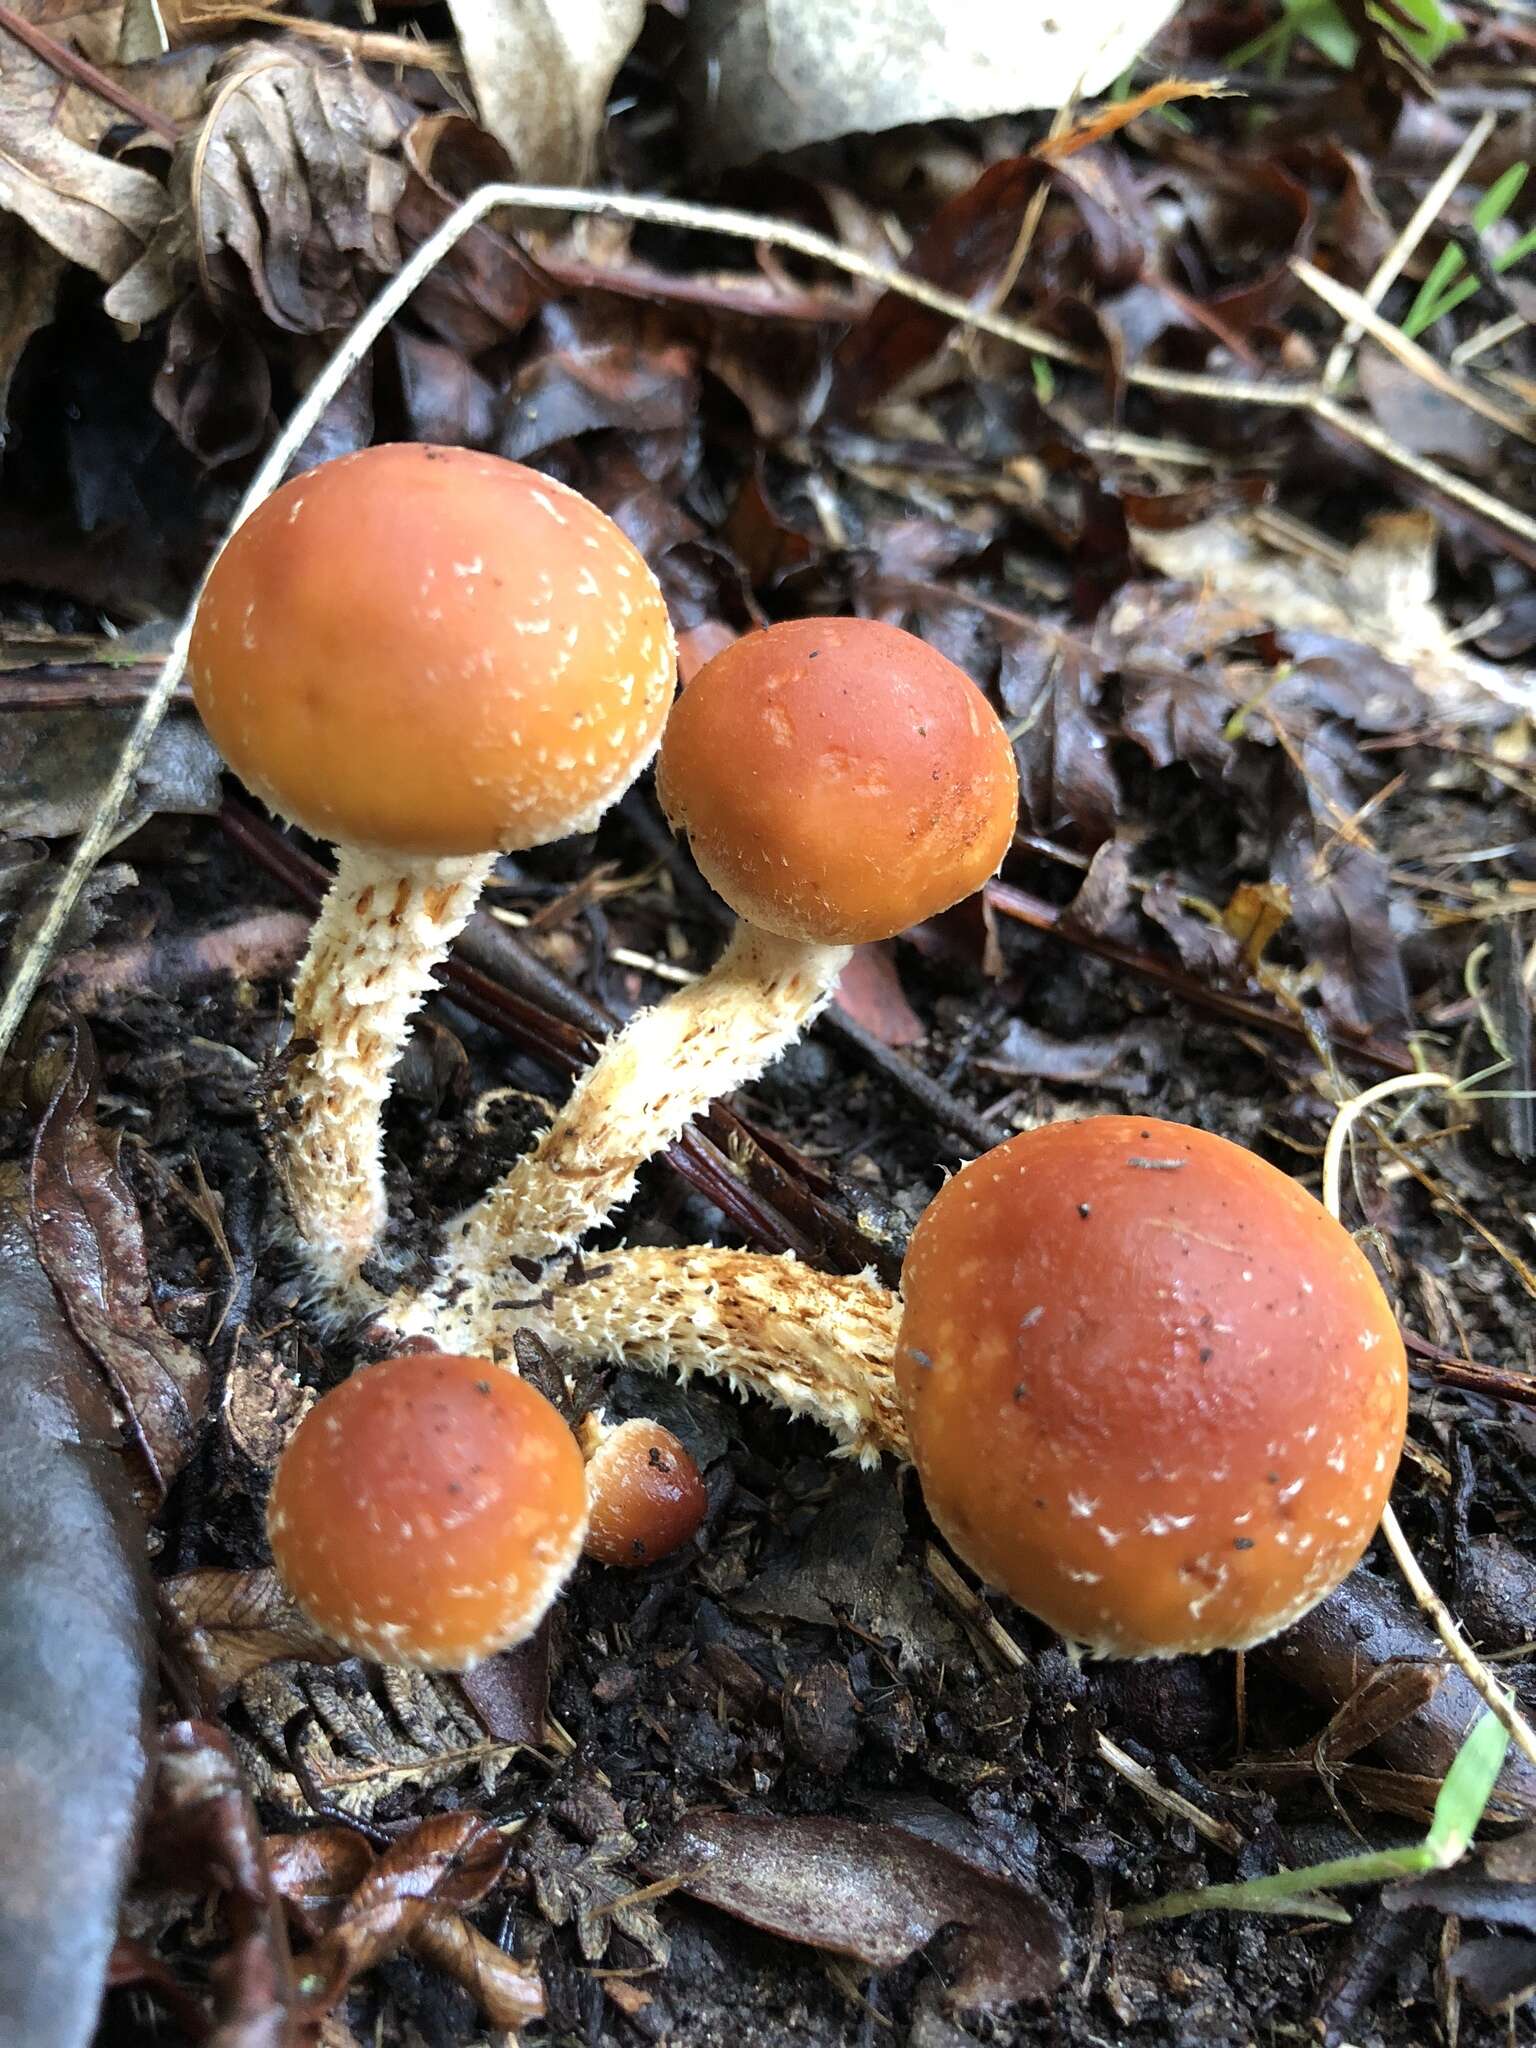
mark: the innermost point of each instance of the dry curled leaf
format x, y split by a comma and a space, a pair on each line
286, 192
77, 1675
228, 1624
92, 210
91, 1244
874, 1893
541, 70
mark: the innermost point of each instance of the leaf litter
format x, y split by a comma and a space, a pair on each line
1261, 643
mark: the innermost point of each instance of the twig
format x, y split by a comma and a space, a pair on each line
751, 227
1351, 305
1392, 265
1466, 1659
71, 65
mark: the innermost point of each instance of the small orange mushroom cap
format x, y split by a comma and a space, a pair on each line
1153, 1389
838, 780
428, 1510
645, 1493
432, 652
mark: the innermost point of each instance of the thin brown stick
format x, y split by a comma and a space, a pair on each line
70, 65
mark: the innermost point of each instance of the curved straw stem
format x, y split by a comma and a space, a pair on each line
1466, 1659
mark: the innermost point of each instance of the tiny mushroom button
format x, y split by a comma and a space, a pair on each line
1154, 1391
646, 1496
428, 1511
428, 656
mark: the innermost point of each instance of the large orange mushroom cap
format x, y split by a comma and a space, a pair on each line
431, 652
838, 780
1154, 1390
428, 1510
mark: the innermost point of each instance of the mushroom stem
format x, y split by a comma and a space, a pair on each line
386, 923
819, 1345
648, 1083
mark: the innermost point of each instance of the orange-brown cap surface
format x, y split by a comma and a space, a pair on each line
1153, 1389
645, 1493
432, 652
838, 780
428, 1510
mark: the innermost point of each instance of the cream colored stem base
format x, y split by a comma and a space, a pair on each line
819, 1346
383, 928
647, 1085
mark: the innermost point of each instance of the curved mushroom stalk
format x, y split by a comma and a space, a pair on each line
820, 1345
383, 929
663, 1069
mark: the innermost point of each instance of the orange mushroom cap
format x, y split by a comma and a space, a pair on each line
838, 780
1154, 1390
428, 1510
427, 651
646, 1496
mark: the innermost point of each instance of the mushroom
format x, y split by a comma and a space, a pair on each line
428, 1511
427, 656
644, 1493
838, 780
1154, 1391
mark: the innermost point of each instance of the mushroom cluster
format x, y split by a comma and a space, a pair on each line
428, 657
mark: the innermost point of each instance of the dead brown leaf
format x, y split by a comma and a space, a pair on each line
29, 282
286, 192
92, 1246
541, 71
448, 1862
93, 211
870, 992
874, 1893
228, 1624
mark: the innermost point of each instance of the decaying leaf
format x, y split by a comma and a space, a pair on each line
541, 70
870, 992
319, 1872
586, 1881
874, 1893
285, 192
77, 1674
54, 765
357, 1748
447, 1863
30, 271
204, 1828
93, 211
776, 74
228, 1624
1383, 596
91, 1244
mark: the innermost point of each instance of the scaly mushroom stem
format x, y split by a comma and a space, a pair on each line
647, 1085
386, 923
818, 1345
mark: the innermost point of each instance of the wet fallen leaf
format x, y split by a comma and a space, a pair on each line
91, 1244
77, 1669
1124, 1061
55, 764
285, 192
228, 1624
541, 71
447, 1862
875, 1893
776, 74
203, 1827
1051, 685
317, 1872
